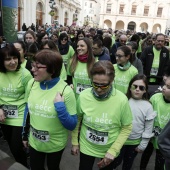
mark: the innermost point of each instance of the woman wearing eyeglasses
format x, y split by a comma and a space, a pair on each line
14, 80
66, 50
52, 112
142, 126
124, 70
49, 44
79, 67
106, 120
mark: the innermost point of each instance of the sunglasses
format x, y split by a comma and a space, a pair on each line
64, 39
102, 86
141, 88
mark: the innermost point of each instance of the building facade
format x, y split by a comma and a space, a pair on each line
137, 15
38, 12
90, 14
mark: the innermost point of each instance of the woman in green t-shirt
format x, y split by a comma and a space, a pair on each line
106, 120
14, 79
79, 68
124, 70
65, 49
52, 111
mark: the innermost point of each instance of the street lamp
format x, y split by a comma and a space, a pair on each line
86, 20
51, 3
52, 12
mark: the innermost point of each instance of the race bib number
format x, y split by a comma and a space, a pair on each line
97, 137
11, 111
40, 135
154, 71
81, 87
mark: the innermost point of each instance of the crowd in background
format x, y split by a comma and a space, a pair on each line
125, 73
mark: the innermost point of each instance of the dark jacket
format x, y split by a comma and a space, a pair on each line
113, 52
103, 56
147, 57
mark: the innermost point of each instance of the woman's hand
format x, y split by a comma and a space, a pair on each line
71, 85
106, 160
2, 116
58, 98
25, 143
75, 150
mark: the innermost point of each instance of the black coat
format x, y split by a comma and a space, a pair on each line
113, 52
147, 57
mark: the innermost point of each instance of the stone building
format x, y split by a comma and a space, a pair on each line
37, 12
90, 13
137, 15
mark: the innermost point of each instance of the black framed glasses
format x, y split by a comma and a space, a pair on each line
102, 86
119, 56
36, 67
141, 88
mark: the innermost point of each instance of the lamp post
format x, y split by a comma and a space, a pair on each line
75, 17
51, 4
86, 22
52, 12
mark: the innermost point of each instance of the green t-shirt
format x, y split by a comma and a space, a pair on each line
122, 78
23, 64
113, 40
47, 134
102, 122
163, 114
155, 64
139, 50
63, 73
81, 79
68, 56
12, 91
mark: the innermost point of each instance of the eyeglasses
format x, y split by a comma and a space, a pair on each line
162, 41
119, 56
36, 67
64, 39
141, 88
102, 86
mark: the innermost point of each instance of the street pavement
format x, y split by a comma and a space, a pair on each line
70, 162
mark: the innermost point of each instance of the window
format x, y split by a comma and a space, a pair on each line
159, 12
121, 9
90, 5
146, 11
108, 8
133, 12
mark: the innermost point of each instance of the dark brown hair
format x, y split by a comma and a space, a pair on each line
138, 77
8, 51
51, 44
51, 59
103, 67
30, 32
127, 51
90, 59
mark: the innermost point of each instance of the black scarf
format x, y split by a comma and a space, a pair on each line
63, 48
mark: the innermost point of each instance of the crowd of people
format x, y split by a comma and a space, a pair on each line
111, 89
